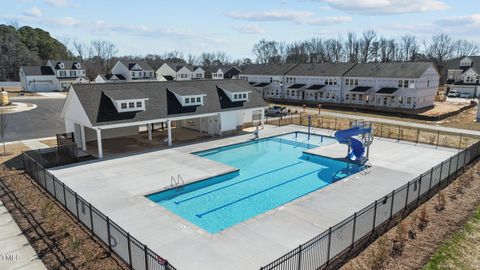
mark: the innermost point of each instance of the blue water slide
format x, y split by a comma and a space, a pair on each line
357, 148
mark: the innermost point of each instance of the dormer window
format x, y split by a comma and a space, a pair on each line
188, 96
127, 100
237, 95
77, 65
61, 65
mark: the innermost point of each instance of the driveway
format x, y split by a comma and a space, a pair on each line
43, 121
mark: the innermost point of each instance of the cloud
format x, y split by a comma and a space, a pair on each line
249, 29
59, 3
300, 17
463, 21
33, 12
385, 7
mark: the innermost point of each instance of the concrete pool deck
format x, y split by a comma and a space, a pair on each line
118, 186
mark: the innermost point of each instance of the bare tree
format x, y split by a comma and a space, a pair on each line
408, 47
462, 47
80, 49
439, 48
368, 38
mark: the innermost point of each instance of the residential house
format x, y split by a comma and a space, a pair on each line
134, 70
179, 72
463, 75
110, 110
222, 72
409, 85
56, 75
109, 78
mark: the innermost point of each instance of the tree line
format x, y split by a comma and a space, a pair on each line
368, 46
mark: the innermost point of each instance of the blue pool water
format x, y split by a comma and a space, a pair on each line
271, 172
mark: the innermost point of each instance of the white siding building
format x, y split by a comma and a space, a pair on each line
410, 85
464, 76
134, 70
179, 72
56, 75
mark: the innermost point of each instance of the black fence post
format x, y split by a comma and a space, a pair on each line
354, 228
398, 134
329, 242
91, 217
449, 170
64, 195
23, 160
54, 186
406, 199
418, 135
108, 234
76, 205
299, 266
391, 205
460, 142
431, 176
419, 188
438, 138
374, 216
381, 130
146, 256
129, 251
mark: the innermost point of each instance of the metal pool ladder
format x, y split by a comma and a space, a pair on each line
177, 183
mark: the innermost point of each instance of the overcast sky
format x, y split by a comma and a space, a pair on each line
193, 26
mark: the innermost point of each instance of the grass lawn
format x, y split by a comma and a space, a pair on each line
462, 250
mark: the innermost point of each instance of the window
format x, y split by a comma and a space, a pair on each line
405, 84
199, 100
288, 92
360, 97
321, 94
192, 100
63, 73
400, 84
347, 96
139, 104
354, 96
235, 96
428, 83
245, 96
72, 73
356, 81
187, 100
409, 100
347, 81
131, 105
124, 105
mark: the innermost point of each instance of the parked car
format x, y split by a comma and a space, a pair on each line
453, 93
276, 111
466, 95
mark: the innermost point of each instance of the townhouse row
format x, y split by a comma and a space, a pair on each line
409, 85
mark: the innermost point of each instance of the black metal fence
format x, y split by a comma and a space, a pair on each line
340, 241
396, 132
135, 254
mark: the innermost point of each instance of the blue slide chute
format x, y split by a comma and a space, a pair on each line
357, 146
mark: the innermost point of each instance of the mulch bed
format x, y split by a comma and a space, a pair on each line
411, 244
60, 242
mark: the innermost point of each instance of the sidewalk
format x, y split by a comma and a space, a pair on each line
15, 251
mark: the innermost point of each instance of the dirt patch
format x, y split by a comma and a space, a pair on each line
51, 142
411, 244
60, 242
12, 150
443, 108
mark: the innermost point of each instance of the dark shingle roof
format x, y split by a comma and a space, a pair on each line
297, 86
389, 70
109, 76
321, 69
186, 90
387, 90
69, 64
263, 84
131, 64
124, 94
315, 87
361, 89
160, 104
273, 69
37, 70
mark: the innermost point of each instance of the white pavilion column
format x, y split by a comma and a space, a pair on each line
149, 128
82, 134
169, 132
99, 143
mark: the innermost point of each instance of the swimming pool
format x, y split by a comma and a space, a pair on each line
271, 172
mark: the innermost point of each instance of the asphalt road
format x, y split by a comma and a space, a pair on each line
43, 121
